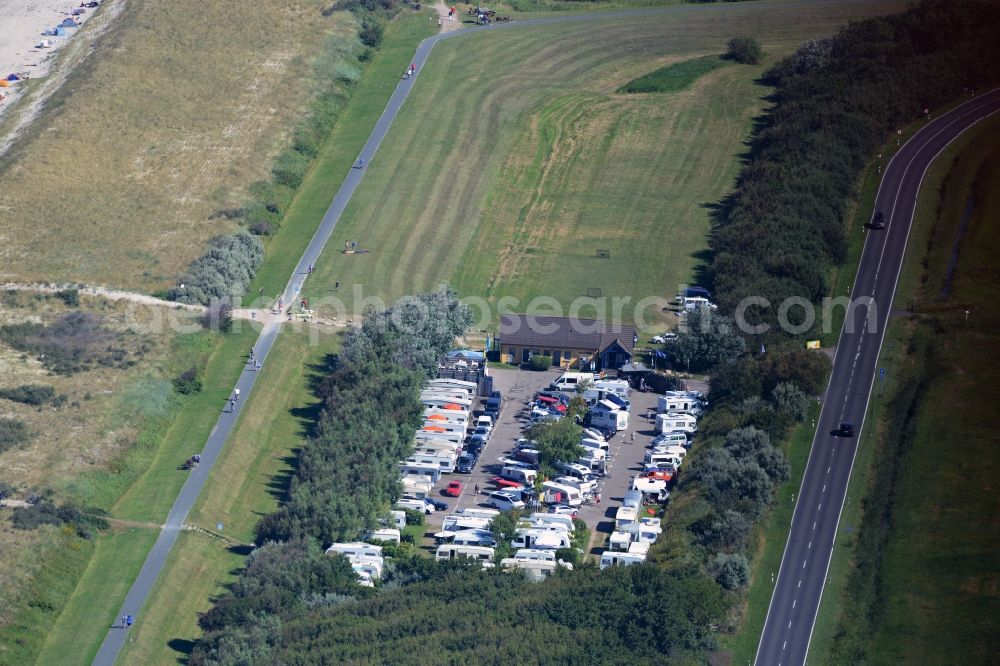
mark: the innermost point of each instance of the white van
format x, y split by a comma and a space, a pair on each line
532, 537
612, 559
662, 459
389, 534
675, 438
432, 472
504, 501
450, 551
414, 505
569, 382
696, 302
484, 421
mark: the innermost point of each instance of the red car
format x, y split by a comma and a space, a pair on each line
454, 489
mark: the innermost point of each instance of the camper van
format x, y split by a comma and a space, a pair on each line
685, 404
450, 551
474, 537
626, 515
532, 537
432, 472
591, 443
414, 505
671, 438
674, 422
594, 396
418, 486
470, 388
606, 416
619, 387
454, 437
355, 549
653, 489
662, 459
586, 487
519, 474
556, 493
697, 302
612, 559
576, 470
570, 381
547, 519
446, 464
438, 401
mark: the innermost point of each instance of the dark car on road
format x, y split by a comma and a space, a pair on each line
466, 463
846, 429
878, 222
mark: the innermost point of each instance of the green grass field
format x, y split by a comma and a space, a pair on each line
514, 161
937, 586
673, 78
247, 482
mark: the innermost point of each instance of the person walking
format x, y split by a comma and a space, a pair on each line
252, 355
236, 394
232, 406
128, 620
632, 437
477, 488
336, 285
256, 365
123, 621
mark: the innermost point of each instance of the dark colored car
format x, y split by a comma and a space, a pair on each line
466, 463
846, 429
878, 222
476, 444
492, 408
437, 504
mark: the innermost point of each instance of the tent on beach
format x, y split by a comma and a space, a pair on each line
13, 77
69, 23
59, 31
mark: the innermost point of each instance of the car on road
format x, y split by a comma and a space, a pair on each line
563, 510
476, 444
483, 431
846, 429
504, 501
878, 222
454, 489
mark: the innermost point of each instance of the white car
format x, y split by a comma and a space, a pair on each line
660, 339
415, 505
504, 501
563, 510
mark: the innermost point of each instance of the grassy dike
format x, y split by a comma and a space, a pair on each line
934, 572
341, 149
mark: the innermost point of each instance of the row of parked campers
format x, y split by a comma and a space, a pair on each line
633, 534
466, 534
365, 558
448, 419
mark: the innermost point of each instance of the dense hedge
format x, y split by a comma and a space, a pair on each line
222, 273
835, 102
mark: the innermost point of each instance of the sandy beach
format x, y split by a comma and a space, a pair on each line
23, 24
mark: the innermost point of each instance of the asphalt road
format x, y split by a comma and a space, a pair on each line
806, 560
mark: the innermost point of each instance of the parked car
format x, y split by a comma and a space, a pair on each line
415, 505
485, 431
507, 483
466, 463
563, 510
476, 444
437, 504
504, 501
454, 489
660, 339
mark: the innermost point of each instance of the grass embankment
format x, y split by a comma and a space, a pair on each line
914, 573
182, 104
248, 481
340, 150
513, 161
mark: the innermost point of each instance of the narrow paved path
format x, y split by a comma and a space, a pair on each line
813, 532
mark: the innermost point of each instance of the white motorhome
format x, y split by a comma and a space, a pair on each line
476, 537
533, 537
432, 472
697, 302
446, 464
445, 426
535, 554
557, 493
586, 488
355, 549
612, 559
619, 387
675, 422
570, 381
477, 512
397, 519
543, 519
609, 419
418, 486
390, 534
519, 474
454, 437
654, 489
662, 459
671, 403
447, 415
437, 401
591, 443
450, 551
626, 515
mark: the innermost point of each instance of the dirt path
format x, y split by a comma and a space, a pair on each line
447, 23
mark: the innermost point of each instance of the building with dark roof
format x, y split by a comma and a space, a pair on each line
571, 342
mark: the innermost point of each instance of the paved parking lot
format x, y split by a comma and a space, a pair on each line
625, 459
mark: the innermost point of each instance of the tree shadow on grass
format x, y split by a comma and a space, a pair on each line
182, 647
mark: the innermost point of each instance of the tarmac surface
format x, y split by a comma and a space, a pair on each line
806, 560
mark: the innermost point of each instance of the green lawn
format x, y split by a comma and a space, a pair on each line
673, 78
937, 581
247, 482
514, 161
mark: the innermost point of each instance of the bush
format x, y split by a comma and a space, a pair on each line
29, 394
76, 341
219, 316
745, 50
71, 297
539, 362
371, 34
786, 397
13, 433
262, 228
188, 382
223, 272
730, 570
6, 490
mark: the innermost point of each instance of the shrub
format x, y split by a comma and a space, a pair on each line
71, 297
188, 382
76, 341
6, 490
788, 398
745, 50
222, 272
539, 362
730, 570
29, 394
13, 432
371, 34
262, 228
219, 316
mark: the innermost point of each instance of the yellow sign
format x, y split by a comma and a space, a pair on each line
812, 344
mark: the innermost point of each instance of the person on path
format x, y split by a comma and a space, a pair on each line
597, 498
123, 621
128, 620
347, 245
477, 488
256, 365
252, 355
236, 393
232, 406
336, 285
632, 437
